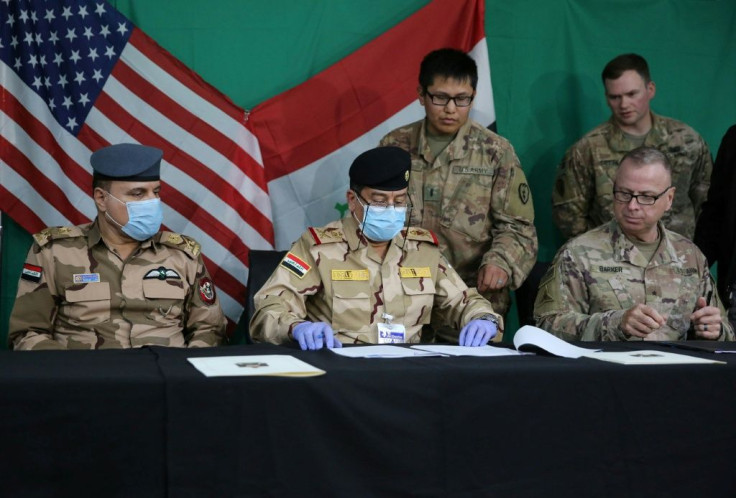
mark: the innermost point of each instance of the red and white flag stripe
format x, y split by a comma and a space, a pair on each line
310, 134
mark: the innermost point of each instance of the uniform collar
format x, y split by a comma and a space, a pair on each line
356, 241
657, 135
455, 150
625, 250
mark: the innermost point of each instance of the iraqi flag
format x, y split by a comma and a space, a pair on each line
310, 134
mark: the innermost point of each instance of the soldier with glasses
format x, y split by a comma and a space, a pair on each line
632, 278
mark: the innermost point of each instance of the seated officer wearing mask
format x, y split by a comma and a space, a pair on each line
366, 279
117, 282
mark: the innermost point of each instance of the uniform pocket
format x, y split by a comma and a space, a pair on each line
419, 295
467, 211
165, 300
351, 304
88, 303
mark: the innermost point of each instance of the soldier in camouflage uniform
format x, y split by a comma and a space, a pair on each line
583, 195
117, 282
467, 185
632, 279
368, 281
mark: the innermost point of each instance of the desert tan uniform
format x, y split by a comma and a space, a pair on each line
583, 195
76, 293
331, 275
475, 197
597, 276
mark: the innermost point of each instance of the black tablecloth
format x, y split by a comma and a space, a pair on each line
147, 423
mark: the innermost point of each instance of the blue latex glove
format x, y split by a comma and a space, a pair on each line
313, 335
477, 333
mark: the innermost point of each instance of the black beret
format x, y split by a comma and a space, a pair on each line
382, 168
127, 162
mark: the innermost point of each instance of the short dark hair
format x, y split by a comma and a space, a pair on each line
645, 155
99, 182
626, 62
448, 63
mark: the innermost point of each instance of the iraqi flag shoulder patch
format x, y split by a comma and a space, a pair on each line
295, 265
32, 273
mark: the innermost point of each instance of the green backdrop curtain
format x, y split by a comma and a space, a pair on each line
545, 55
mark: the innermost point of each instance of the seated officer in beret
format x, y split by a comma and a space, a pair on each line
117, 282
366, 279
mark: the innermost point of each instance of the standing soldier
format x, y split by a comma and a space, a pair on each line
117, 282
366, 279
467, 185
583, 195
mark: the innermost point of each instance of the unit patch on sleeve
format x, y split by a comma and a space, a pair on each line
295, 265
32, 273
207, 291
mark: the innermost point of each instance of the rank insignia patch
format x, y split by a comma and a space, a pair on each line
207, 291
295, 265
161, 273
32, 273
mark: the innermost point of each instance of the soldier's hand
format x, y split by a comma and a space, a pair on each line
314, 335
477, 333
641, 320
491, 277
706, 320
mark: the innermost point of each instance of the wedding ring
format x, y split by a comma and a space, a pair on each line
705, 328
499, 281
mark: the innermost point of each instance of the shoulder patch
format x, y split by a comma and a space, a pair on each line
56, 233
422, 234
181, 242
326, 235
295, 265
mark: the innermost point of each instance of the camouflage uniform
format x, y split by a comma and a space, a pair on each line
75, 293
331, 275
475, 197
597, 276
583, 195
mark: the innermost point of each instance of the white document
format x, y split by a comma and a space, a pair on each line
381, 351
450, 350
649, 358
534, 336
273, 364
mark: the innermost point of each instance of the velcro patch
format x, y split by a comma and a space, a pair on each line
32, 273
161, 273
207, 291
295, 265
85, 278
407, 272
350, 275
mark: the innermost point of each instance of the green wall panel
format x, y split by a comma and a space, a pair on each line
546, 57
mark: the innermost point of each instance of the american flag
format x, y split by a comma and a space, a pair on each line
76, 76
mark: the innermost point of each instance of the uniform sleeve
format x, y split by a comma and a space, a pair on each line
562, 308
281, 302
573, 192
514, 247
700, 180
457, 303
205, 320
31, 321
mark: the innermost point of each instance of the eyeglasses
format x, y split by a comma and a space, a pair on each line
642, 199
401, 206
460, 100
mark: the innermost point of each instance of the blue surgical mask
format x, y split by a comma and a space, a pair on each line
144, 218
382, 223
